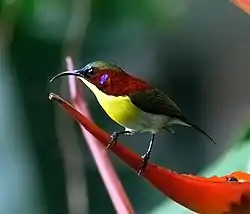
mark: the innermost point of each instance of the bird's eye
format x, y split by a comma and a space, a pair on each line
89, 71
232, 179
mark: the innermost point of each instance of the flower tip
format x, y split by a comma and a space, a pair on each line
52, 96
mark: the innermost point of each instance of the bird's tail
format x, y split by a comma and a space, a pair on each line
197, 128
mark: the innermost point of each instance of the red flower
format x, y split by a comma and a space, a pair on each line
243, 5
214, 195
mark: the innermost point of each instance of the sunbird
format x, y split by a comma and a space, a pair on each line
131, 102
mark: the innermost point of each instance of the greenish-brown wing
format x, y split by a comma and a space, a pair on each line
156, 102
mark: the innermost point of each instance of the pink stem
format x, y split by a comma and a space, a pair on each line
108, 174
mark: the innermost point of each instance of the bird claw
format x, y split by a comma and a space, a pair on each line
113, 140
145, 158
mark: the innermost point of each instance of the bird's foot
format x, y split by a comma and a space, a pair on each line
145, 158
115, 135
113, 141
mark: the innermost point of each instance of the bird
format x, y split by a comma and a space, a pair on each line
131, 102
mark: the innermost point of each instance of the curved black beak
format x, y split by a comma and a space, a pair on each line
67, 73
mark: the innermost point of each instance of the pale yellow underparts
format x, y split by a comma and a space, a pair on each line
125, 113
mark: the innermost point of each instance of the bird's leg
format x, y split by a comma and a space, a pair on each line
115, 136
146, 156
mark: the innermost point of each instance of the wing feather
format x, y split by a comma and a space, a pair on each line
156, 102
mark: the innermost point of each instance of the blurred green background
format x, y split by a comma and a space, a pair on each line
196, 51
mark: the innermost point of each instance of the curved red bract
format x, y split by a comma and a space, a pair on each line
212, 195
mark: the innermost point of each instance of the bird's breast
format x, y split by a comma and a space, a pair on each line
125, 113
119, 108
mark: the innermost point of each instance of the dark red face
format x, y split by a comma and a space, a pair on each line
114, 82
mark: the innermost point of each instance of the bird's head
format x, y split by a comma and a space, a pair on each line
99, 73
107, 77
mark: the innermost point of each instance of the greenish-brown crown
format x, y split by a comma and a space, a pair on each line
103, 65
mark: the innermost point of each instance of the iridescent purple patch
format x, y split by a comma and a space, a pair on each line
104, 78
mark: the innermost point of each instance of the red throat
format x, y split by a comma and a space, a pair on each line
119, 83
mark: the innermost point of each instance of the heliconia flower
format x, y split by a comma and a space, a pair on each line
229, 194
243, 5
